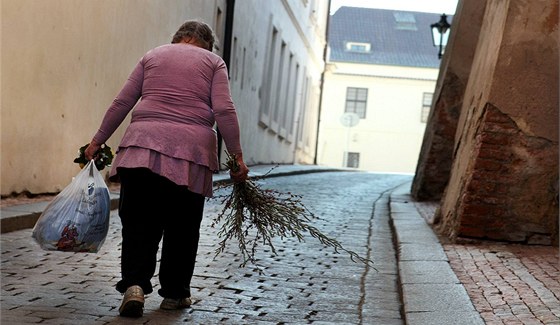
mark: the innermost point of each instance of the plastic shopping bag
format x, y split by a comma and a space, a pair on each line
77, 219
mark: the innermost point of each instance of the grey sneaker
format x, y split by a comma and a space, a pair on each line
171, 304
133, 302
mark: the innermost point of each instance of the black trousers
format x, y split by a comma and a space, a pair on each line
152, 207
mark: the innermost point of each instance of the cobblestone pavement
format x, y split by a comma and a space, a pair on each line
510, 284
507, 283
305, 283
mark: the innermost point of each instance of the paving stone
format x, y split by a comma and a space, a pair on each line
304, 283
439, 318
382, 320
15, 319
426, 272
426, 297
425, 252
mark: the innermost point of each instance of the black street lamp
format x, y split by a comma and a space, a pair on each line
440, 34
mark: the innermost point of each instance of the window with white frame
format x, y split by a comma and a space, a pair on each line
426, 105
356, 101
358, 47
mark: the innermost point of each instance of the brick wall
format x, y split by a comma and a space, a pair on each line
512, 191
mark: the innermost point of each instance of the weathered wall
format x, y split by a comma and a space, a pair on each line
436, 155
63, 61
504, 179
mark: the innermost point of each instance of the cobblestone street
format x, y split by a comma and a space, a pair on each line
305, 283
510, 284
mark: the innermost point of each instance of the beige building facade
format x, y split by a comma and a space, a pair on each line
389, 135
384, 72
63, 62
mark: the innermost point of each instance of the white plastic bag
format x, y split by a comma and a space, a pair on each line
77, 219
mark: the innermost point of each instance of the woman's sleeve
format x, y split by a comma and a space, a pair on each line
224, 109
122, 104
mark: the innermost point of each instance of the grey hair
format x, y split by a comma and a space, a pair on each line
196, 30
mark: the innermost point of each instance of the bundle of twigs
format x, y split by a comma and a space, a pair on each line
253, 215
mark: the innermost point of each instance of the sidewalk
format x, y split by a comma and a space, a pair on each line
507, 283
473, 283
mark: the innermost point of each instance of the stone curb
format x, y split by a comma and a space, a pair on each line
431, 292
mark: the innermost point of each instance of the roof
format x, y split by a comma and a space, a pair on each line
401, 38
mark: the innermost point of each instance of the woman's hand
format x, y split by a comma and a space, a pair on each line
91, 150
240, 175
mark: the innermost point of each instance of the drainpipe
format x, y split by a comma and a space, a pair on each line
228, 35
322, 82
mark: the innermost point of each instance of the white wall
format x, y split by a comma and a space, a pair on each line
390, 136
256, 81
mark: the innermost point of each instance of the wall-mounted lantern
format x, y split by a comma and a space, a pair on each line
440, 34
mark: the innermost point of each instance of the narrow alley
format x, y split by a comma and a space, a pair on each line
305, 283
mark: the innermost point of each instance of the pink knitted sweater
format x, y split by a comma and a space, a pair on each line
183, 91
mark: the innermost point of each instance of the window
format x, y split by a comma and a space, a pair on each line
235, 60
358, 47
243, 68
405, 21
279, 89
352, 159
294, 102
269, 80
356, 101
304, 102
288, 117
426, 105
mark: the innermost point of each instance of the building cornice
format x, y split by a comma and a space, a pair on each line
382, 76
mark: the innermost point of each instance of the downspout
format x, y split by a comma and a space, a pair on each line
228, 35
322, 82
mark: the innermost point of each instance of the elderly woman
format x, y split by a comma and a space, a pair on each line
166, 160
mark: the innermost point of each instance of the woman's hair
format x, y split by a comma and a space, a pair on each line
199, 31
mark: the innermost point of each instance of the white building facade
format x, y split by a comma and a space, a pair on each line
275, 72
382, 73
